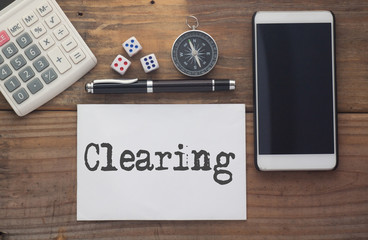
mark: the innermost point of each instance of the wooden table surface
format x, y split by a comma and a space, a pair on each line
38, 152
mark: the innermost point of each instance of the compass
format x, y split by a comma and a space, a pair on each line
194, 52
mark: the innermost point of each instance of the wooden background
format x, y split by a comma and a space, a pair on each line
38, 152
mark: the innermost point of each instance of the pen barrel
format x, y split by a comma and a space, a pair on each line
149, 86
111, 88
191, 85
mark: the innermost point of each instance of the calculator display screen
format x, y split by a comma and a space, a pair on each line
5, 3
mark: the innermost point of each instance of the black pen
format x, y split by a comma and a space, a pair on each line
154, 86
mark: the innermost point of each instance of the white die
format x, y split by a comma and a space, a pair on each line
132, 46
149, 63
120, 64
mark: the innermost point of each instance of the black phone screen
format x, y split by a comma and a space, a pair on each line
5, 3
295, 68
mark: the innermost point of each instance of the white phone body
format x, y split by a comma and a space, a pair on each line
294, 91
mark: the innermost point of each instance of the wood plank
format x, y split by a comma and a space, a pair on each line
38, 152
38, 190
106, 26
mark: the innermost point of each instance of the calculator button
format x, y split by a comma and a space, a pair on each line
41, 64
32, 52
69, 44
12, 84
77, 56
5, 72
49, 75
10, 50
60, 61
44, 9
4, 38
24, 40
26, 74
1, 59
52, 21
47, 42
38, 30
16, 29
61, 32
18, 62
35, 85
20, 96
30, 18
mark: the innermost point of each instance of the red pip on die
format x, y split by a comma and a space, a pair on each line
120, 64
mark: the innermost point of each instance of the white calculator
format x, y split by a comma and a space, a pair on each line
41, 53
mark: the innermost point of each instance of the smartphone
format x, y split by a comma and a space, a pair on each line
294, 91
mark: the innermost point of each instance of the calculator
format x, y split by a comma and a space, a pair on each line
41, 53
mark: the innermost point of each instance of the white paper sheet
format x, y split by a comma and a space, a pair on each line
147, 162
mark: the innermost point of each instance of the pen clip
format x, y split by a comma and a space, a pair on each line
118, 81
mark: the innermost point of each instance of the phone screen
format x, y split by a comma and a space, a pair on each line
295, 88
5, 3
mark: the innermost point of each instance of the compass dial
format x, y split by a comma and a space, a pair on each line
194, 53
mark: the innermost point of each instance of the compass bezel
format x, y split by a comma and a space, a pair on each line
190, 34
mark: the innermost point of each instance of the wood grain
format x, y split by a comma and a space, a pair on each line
106, 26
38, 152
38, 190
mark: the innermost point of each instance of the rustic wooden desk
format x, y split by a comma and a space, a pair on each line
38, 152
